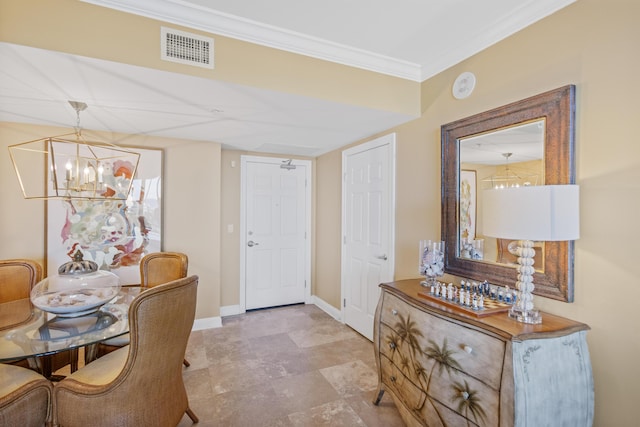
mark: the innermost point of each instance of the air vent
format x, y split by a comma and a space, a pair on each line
186, 48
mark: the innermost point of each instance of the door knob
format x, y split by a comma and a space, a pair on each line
382, 257
251, 243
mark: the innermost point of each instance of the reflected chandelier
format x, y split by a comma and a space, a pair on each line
511, 177
77, 169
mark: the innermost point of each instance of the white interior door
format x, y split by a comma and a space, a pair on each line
274, 235
367, 222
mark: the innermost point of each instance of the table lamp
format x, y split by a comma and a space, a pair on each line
527, 214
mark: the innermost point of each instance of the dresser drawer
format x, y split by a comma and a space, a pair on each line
441, 401
396, 380
475, 353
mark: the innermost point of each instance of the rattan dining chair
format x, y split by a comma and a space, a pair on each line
25, 397
140, 384
17, 277
155, 269
162, 267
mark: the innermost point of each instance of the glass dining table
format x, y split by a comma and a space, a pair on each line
28, 332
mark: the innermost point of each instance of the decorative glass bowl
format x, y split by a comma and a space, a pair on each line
78, 289
75, 295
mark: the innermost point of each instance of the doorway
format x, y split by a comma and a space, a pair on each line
275, 230
368, 218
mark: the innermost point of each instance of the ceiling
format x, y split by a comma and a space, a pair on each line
411, 39
521, 143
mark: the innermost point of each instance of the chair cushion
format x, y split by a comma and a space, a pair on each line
14, 377
103, 370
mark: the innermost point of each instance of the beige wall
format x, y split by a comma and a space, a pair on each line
230, 212
594, 45
328, 225
191, 213
22, 222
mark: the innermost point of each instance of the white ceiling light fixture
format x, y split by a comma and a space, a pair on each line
77, 169
463, 85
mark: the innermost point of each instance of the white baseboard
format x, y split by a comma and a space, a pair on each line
207, 323
327, 308
230, 310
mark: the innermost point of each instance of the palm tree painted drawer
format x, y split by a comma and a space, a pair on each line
443, 368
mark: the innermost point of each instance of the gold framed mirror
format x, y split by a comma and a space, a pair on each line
553, 114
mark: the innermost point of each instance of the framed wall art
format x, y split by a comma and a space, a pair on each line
467, 205
115, 234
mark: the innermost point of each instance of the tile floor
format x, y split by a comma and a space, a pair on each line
287, 366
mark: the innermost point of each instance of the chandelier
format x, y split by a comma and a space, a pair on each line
511, 177
76, 168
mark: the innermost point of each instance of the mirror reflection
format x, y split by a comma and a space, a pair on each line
508, 157
538, 132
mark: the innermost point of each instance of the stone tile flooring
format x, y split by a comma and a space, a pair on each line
286, 366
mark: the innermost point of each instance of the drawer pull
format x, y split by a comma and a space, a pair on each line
394, 312
468, 349
392, 345
393, 379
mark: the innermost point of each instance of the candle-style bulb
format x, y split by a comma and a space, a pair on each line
69, 166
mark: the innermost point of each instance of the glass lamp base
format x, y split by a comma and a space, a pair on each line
525, 316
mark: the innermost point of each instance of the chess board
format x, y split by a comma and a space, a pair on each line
490, 306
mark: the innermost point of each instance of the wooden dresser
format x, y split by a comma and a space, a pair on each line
446, 368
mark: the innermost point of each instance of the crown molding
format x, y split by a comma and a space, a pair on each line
201, 18
526, 14
438, 58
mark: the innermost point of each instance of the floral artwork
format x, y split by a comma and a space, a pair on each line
467, 205
115, 234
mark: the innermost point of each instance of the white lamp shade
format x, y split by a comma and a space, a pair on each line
542, 213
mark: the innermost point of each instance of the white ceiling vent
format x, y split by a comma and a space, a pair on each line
186, 48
